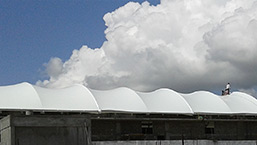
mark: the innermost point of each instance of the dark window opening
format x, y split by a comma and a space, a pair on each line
147, 127
209, 128
160, 137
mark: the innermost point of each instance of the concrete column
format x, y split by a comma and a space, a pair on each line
7, 131
118, 130
167, 134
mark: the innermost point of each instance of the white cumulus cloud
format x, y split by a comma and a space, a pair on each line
179, 44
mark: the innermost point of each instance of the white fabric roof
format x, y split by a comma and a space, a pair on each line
206, 102
20, 96
165, 101
78, 98
120, 99
241, 103
73, 98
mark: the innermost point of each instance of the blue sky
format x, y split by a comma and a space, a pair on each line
182, 45
33, 31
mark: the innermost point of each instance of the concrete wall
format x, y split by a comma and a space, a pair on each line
76, 130
237, 130
46, 130
109, 130
131, 130
175, 142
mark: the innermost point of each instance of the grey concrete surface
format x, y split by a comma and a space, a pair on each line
45, 130
175, 142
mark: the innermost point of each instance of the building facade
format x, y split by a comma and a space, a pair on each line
81, 116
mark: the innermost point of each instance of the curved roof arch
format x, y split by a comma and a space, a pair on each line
165, 101
241, 103
19, 96
79, 98
119, 100
203, 102
74, 98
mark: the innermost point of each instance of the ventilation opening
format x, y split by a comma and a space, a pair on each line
147, 127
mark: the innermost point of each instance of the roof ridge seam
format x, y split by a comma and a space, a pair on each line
141, 100
182, 97
40, 101
97, 105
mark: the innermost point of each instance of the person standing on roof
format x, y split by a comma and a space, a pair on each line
227, 90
